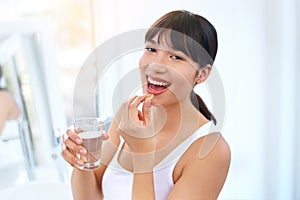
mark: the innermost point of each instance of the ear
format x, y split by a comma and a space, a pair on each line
203, 74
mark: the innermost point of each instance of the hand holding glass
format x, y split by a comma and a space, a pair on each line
90, 130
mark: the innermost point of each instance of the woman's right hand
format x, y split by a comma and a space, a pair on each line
71, 145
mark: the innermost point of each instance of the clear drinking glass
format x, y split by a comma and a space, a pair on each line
90, 130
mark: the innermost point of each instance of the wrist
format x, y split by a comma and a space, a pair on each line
143, 162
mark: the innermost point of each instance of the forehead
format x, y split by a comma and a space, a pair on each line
162, 40
173, 40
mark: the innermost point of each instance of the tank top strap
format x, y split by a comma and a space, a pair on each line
114, 163
178, 151
173, 156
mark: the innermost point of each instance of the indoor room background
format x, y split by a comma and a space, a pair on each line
44, 43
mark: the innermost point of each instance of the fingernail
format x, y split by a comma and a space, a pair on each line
79, 162
78, 140
82, 151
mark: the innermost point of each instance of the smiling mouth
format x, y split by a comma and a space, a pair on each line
156, 86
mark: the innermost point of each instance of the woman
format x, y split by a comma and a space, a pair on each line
164, 150
9, 109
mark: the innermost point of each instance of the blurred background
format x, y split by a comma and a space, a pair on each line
44, 43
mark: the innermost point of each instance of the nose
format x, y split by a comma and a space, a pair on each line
157, 68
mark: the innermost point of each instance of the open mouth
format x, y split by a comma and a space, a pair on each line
156, 86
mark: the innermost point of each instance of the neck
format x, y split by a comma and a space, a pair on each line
182, 116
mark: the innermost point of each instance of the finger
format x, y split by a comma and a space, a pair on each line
133, 108
137, 101
71, 158
74, 147
105, 136
131, 99
73, 136
146, 112
129, 103
140, 115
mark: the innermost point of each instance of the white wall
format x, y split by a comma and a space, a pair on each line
259, 41
257, 62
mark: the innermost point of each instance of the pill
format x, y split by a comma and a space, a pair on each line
149, 96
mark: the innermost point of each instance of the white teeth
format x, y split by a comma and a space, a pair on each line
157, 82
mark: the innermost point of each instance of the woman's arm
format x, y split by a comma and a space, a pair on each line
87, 184
8, 109
138, 132
14, 111
143, 182
143, 186
205, 171
2, 120
84, 185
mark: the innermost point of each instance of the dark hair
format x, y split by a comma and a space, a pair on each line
193, 35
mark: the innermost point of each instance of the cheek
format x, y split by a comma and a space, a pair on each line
185, 78
142, 65
143, 61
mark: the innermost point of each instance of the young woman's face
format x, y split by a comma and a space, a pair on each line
167, 73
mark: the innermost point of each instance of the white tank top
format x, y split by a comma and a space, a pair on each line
117, 181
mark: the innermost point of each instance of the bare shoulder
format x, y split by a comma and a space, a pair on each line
203, 168
207, 148
213, 145
210, 152
4, 96
9, 107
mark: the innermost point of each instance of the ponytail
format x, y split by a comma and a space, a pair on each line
200, 105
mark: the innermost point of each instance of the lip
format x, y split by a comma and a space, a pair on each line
156, 79
156, 92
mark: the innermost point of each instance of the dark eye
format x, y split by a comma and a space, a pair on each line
150, 49
176, 57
